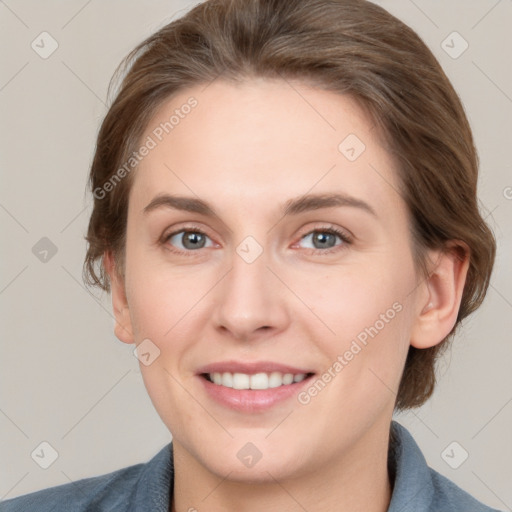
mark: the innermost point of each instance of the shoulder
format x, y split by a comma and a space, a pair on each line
118, 490
451, 498
419, 487
112, 489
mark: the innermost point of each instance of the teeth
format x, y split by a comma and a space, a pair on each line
259, 381
240, 381
255, 381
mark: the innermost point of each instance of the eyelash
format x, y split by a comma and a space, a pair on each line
345, 238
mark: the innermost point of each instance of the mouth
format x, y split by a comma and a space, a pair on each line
256, 381
252, 387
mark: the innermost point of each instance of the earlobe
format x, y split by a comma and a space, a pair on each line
442, 294
123, 325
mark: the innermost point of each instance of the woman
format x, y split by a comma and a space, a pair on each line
285, 213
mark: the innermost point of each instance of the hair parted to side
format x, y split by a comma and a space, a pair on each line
352, 47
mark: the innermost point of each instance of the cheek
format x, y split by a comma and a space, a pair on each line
349, 300
365, 317
161, 296
161, 307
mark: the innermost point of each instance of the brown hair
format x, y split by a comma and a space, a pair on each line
352, 47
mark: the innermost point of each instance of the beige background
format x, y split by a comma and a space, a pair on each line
65, 379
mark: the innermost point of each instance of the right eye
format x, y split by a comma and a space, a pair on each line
190, 239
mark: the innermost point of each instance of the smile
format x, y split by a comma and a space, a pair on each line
255, 381
252, 387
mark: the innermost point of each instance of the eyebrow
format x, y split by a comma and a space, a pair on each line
293, 206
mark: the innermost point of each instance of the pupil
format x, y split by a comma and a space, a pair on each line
192, 238
322, 237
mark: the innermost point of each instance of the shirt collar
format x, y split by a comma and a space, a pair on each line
156, 484
413, 488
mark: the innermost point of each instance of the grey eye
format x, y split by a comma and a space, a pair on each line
189, 240
322, 239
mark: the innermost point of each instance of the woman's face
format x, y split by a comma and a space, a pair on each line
265, 284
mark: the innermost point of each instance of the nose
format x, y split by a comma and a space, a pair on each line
251, 302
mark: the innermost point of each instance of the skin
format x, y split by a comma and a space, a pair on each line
246, 149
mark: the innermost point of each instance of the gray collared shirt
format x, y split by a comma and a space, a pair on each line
149, 486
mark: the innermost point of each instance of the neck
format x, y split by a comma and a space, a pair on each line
358, 480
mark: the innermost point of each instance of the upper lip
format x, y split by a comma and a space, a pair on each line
250, 367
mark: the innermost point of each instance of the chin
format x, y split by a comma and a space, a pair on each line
248, 464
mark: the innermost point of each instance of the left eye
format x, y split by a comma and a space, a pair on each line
325, 238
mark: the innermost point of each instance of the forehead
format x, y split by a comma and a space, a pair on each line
263, 139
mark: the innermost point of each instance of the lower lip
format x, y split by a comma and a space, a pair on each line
252, 400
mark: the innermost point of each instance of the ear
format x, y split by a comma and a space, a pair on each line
123, 324
439, 302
